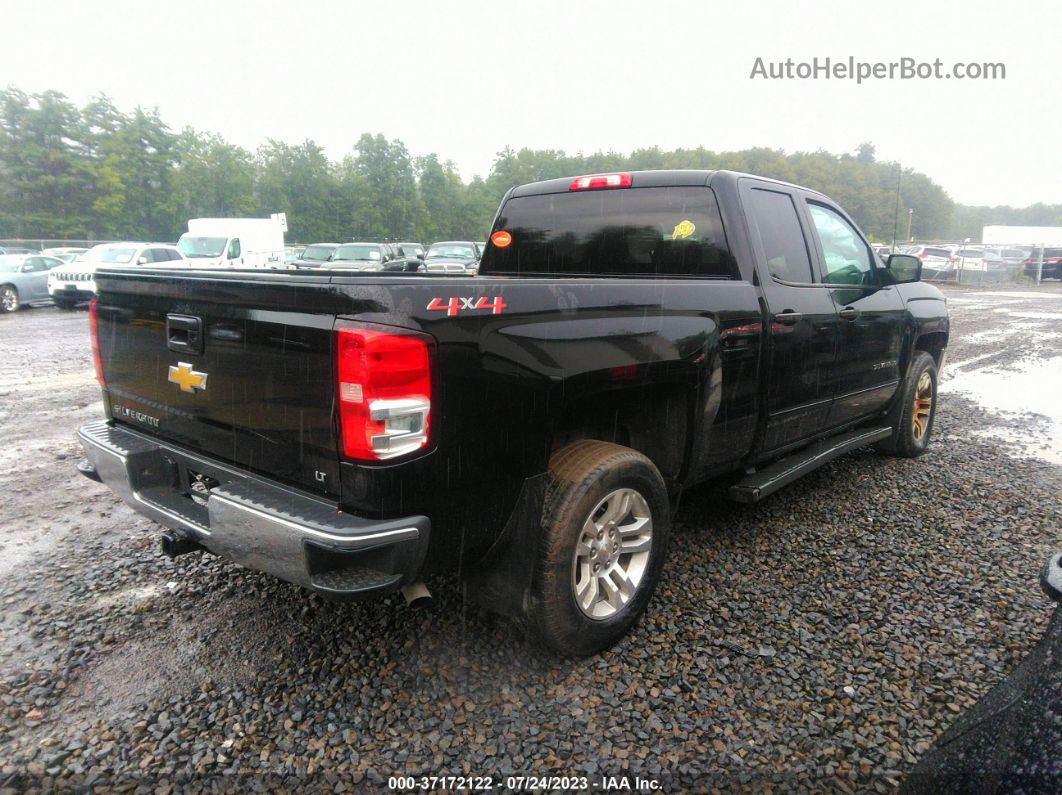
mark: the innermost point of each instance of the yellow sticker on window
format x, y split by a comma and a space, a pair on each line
683, 229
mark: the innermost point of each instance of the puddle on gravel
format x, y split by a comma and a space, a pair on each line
1029, 387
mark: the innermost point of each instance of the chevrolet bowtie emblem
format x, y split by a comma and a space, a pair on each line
186, 378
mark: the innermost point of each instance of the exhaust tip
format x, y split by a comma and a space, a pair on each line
88, 469
177, 542
416, 594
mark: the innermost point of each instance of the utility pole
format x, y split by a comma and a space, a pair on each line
910, 217
896, 214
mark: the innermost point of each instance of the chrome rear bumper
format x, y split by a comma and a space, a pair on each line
258, 523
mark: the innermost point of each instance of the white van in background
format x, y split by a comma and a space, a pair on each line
235, 242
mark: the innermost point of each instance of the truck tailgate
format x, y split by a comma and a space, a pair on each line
238, 366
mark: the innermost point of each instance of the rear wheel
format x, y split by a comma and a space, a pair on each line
9, 300
606, 522
912, 418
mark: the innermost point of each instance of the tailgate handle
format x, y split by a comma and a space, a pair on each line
184, 333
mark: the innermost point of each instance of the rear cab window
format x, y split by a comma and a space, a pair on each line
647, 231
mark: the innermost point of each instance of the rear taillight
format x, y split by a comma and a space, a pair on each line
95, 334
384, 391
601, 181
922, 255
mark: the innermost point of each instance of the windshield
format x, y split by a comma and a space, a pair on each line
318, 253
109, 255
938, 252
970, 253
455, 250
199, 247
10, 264
362, 252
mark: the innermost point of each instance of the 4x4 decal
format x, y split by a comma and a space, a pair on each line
455, 304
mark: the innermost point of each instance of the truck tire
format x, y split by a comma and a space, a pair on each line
912, 418
9, 301
606, 519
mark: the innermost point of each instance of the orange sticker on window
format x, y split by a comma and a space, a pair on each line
501, 238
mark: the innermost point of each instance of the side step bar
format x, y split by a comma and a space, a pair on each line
768, 480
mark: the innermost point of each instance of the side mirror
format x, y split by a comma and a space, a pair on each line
420, 256
141, 261
904, 268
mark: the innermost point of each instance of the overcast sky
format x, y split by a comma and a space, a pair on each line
466, 79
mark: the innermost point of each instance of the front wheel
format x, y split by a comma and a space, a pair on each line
912, 418
606, 521
9, 301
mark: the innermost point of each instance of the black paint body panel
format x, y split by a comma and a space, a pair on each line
507, 383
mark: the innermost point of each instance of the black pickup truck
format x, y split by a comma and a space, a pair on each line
628, 335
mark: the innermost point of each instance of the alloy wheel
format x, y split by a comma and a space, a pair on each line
612, 554
923, 406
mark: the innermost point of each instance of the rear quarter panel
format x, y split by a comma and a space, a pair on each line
510, 372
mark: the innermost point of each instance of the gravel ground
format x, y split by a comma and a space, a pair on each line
819, 640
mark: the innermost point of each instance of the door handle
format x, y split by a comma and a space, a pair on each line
184, 333
788, 317
848, 313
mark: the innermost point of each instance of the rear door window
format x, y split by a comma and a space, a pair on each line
660, 231
778, 226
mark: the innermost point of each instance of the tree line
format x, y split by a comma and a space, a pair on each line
95, 172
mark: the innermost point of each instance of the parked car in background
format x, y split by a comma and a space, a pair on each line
24, 280
75, 282
938, 262
360, 257
292, 254
1052, 267
404, 265
313, 256
17, 250
409, 250
65, 253
882, 251
234, 242
452, 256
1013, 258
977, 258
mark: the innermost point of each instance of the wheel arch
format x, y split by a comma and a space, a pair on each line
934, 343
653, 419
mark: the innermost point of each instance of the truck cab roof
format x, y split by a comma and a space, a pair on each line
662, 178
